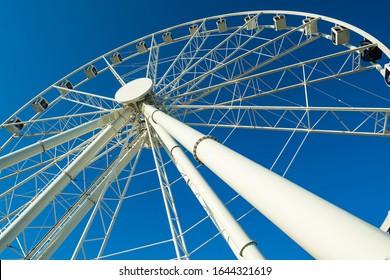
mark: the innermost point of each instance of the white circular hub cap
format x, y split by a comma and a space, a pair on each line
134, 91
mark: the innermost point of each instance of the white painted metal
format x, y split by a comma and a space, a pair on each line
355, 29
358, 121
235, 236
117, 58
230, 59
178, 57
46, 144
136, 148
167, 83
321, 228
169, 202
88, 200
152, 67
249, 78
269, 12
193, 60
283, 108
65, 177
386, 224
134, 91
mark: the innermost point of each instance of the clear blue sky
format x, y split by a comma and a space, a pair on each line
41, 41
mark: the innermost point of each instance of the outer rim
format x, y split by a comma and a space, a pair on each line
295, 13
357, 30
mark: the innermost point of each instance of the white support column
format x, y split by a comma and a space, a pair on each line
386, 224
235, 236
46, 144
324, 230
62, 180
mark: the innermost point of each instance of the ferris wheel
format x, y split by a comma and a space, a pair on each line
131, 156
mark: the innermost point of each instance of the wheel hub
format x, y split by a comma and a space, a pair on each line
135, 92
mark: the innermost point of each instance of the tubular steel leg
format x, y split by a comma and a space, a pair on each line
324, 230
63, 179
235, 236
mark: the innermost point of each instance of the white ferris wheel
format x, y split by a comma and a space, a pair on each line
143, 153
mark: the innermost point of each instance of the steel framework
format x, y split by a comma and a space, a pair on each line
72, 169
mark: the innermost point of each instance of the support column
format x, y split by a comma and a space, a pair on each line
241, 245
63, 179
324, 230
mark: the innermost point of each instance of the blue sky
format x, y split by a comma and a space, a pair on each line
43, 41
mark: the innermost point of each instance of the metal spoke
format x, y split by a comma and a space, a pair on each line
252, 81
152, 66
91, 197
257, 52
172, 215
230, 39
373, 121
116, 75
182, 56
